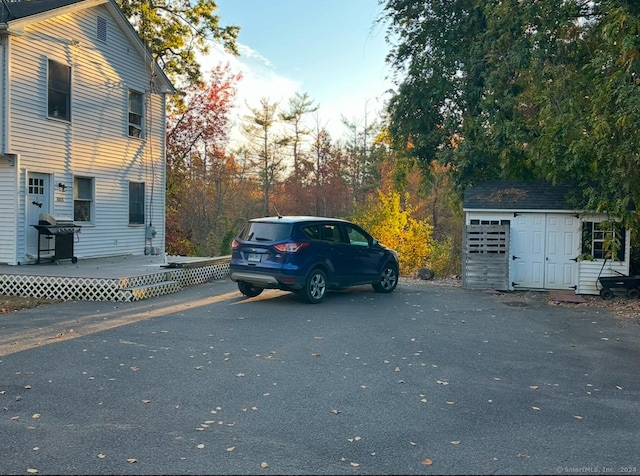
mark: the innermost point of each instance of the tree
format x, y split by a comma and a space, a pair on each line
200, 174
392, 224
513, 89
258, 127
299, 105
175, 30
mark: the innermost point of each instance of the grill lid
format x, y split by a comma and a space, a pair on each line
55, 220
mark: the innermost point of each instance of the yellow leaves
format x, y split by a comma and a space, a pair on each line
389, 220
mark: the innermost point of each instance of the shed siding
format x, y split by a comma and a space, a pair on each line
95, 143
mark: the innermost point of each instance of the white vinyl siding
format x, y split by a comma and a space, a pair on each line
8, 216
95, 143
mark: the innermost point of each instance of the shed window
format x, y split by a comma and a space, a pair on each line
600, 239
59, 91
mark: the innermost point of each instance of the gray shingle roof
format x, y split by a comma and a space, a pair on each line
16, 10
518, 195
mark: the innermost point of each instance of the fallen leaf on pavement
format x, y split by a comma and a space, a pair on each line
427, 462
264, 465
102, 456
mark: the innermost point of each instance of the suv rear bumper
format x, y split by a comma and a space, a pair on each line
254, 278
265, 280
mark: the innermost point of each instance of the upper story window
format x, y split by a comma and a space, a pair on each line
59, 91
136, 109
101, 32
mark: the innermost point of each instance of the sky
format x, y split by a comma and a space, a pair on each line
330, 49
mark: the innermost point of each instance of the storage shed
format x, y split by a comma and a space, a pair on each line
527, 235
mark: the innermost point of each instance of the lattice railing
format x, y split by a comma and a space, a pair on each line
117, 289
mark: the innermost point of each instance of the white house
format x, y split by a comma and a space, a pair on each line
548, 243
82, 130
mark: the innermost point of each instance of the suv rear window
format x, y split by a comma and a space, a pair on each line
261, 231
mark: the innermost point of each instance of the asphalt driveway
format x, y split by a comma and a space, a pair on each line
431, 379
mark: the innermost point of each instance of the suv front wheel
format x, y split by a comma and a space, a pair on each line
316, 286
388, 279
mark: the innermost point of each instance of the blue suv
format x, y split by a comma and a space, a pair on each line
308, 256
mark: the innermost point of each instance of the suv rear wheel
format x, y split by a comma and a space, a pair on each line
316, 286
388, 279
248, 289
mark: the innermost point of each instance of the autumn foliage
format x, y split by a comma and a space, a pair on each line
391, 223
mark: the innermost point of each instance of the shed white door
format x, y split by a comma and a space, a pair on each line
544, 247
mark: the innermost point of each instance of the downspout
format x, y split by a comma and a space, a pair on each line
5, 146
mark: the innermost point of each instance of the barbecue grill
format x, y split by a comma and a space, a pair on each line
61, 231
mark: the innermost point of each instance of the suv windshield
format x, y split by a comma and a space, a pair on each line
260, 231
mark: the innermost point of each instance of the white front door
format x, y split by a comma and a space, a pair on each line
38, 186
544, 247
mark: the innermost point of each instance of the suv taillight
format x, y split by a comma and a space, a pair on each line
234, 244
290, 247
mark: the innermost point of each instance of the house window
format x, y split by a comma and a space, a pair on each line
82, 199
600, 239
136, 102
59, 91
102, 29
136, 203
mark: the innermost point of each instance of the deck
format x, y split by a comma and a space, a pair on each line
120, 278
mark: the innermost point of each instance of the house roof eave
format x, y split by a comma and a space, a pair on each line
18, 24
